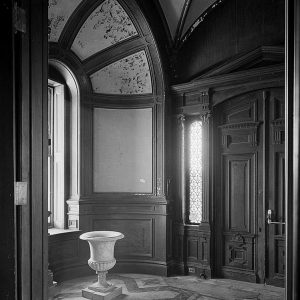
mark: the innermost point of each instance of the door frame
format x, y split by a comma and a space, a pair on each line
292, 151
7, 155
31, 160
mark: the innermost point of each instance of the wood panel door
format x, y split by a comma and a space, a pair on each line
275, 201
249, 171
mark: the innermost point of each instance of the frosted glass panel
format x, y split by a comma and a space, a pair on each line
196, 192
122, 150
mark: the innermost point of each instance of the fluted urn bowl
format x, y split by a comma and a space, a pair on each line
102, 258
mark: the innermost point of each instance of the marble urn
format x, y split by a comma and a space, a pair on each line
101, 260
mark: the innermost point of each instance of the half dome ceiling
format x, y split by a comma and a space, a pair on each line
105, 27
189, 12
59, 13
109, 24
129, 75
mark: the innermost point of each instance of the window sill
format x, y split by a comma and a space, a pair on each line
58, 231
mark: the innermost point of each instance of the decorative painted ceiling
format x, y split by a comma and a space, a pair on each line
178, 13
59, 13
110, 24
107, 25
129, 75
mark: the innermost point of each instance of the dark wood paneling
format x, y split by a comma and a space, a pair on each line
251, 141
143, 221
138, 232
234, 27
65, 256
237, 190
240, 114
191, 245
63, 248
276, 189
239, 172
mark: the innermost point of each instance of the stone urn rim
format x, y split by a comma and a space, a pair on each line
101, 236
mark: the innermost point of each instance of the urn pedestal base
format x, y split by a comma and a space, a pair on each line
97, 295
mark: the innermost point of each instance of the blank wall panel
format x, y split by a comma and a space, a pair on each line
122, 150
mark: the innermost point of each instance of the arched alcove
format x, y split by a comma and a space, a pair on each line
111, 50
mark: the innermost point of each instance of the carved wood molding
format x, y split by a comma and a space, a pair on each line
191, 102
225, 81
205, 117
180, 118
278, 127
246, 129
238, 245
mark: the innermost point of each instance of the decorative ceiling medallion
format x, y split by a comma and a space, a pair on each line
129, 75
59, 12
107, 25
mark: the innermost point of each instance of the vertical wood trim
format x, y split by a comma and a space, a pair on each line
292, 142
206, 168
7, 176
296, 150
263, 190
45, 52
182, 179
289, 19
24, 229
39, 76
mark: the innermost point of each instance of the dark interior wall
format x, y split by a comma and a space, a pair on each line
233, 27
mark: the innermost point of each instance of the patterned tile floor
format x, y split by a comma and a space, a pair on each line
149, 287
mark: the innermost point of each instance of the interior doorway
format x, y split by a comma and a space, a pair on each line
249, 242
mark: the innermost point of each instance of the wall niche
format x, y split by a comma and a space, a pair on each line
122, 128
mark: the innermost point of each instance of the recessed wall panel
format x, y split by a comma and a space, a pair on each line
122, 150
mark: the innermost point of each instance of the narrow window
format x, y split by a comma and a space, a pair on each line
50, 156
195, 186
56, 152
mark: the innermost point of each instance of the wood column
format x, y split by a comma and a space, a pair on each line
182, 180
206, 165
292, 107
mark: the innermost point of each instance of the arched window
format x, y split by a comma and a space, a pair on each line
63, 142
56, 153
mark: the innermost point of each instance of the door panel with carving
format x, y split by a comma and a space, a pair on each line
249, 169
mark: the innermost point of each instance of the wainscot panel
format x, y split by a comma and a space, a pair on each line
143, 221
